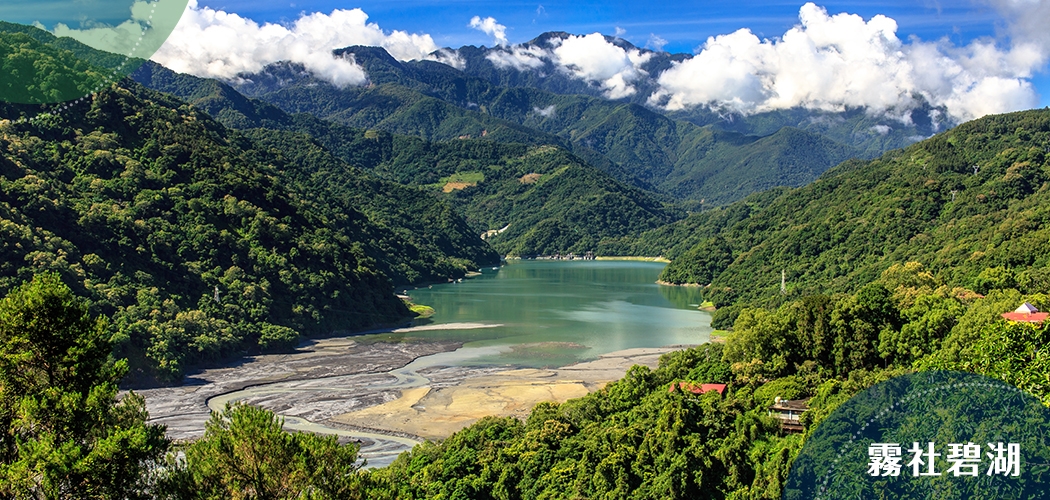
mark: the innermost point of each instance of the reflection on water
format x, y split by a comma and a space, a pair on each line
682, 296
555, 313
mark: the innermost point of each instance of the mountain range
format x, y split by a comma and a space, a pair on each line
300, 204
688, 155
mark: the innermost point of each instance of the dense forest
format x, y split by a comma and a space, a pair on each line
552, 200
139, 235
633, 439
970, 204
203, 242
635, 144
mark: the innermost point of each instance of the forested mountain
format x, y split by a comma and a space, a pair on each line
970, 204
549, 200
867, 133
632, 142
887, 275
74, 70
198, 241
202, 241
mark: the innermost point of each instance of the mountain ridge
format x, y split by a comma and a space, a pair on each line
969, 204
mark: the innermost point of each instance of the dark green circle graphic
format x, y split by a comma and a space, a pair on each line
54, 51
944, 435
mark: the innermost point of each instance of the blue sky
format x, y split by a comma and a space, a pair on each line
684, 25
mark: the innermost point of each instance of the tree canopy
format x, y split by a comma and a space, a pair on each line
64, 433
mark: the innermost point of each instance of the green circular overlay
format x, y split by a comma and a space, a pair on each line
54, 51
944, 435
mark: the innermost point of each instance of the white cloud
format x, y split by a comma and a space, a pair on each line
833, 62
217, 44
490, 27
590, 58
656, 42
544, 112
594, 59
448, 57
519, 57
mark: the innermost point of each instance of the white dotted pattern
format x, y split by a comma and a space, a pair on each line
116, 75
911, 397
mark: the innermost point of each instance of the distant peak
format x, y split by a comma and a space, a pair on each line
545, 38
366, 53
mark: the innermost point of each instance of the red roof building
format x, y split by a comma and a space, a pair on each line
1027, 313
697, 389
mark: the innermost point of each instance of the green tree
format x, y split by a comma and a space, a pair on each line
65, 434
245, 454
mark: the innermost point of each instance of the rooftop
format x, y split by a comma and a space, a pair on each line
697, 388
1026, 313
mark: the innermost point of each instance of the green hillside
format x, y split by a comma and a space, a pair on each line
553, 201
981, 229
635, 144
869, 134
23, 49
151, 209
907, 281
189, 241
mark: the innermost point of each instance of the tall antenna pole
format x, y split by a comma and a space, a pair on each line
783, 282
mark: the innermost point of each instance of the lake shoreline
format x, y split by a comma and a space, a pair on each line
356, 399
635, 258
536, 331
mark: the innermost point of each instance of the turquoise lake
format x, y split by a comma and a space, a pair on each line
554, 313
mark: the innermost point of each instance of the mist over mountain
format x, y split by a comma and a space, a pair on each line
849, 87
827, 61
718, 162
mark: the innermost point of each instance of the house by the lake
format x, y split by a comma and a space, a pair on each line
788, 412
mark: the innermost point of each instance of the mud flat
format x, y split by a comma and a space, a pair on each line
438, 409
184, 409
388, 396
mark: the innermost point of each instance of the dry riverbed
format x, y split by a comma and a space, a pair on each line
385, 395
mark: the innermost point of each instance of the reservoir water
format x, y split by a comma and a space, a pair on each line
545, 313
526, 314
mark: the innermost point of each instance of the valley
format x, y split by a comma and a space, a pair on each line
355, 275
572, 332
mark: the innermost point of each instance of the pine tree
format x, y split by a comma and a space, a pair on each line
64, 433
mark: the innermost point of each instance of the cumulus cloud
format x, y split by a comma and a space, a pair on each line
594, 59
217, 44
490, 27
834, 62
591, 58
